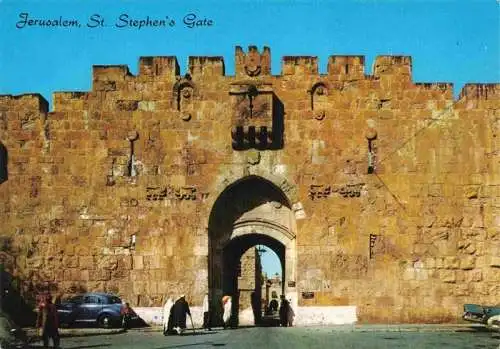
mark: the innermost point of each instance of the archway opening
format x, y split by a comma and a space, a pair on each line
244, 281
249, 213
271, 263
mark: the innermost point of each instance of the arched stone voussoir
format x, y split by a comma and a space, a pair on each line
288, 188
274, 230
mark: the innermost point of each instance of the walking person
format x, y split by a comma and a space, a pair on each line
179, 311
227, 305
48, 322
273, 306
291, 314
284, 309
167, 316
206, 313
126, 313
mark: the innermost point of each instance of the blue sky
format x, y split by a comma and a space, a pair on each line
270, 262
450, 41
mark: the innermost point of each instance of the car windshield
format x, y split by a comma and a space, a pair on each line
114, 300
76, 299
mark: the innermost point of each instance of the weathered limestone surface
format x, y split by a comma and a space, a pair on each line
394, 185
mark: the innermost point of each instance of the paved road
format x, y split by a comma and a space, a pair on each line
359, 337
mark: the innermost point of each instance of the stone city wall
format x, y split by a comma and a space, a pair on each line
394, 184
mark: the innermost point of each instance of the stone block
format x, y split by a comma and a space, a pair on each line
409, 274
84, 275
451, 263
429, 263
467, 262
448, 276
472, 191
138, 262
494, 261
475, 275
491, 275
70, 262
99, 275
72, 275
86, 262
461, 290
435, 190
421, 274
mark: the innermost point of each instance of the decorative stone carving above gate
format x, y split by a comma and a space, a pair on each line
253, 63
257, 120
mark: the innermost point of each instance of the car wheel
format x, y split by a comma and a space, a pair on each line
105, 321
494, 322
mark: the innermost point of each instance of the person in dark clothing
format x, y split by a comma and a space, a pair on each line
126, 312
179, 311
273, 305
284, 307
48, 322
206, 313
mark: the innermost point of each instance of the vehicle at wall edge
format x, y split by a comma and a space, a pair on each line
93, 308
483, 314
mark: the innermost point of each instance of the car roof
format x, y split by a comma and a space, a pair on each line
99, 294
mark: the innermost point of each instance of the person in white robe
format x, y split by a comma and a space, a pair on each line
167, 325
291, 313
227, 308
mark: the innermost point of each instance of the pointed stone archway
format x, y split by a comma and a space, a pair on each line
252, 211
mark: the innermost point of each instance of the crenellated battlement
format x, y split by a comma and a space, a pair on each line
393, 72
480, 91
105, 77
165, 66
206, 66
21, 118
438, 86
27, 101
110, 72
385, 66
293, 65
346, 67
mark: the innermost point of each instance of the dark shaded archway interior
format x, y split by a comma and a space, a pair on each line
238, 198
4, 175
224, 254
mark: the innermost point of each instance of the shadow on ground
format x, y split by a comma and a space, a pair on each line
474, 329
193, 345
34, 346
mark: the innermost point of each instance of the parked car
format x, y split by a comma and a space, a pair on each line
11, 335
487, 315
101, 309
